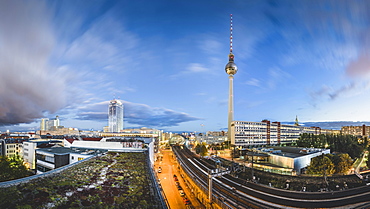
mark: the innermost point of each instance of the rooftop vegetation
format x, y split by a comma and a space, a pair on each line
115, 180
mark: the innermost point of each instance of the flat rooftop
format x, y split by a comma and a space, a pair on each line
66, 150
294, 152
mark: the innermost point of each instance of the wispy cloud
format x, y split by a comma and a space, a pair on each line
346, 90
196, 68
191, 69
137, 114
253, 82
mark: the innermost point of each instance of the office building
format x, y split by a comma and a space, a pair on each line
47, 124
246, 134
30, 147
115, 116
360, 131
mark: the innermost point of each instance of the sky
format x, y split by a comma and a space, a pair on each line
166, 61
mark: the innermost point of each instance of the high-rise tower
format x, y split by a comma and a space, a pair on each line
231, 70
115, 116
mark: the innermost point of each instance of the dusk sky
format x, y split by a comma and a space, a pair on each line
165, 59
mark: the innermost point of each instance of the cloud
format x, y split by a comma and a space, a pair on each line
196, 68
275, 76
347, 90
29, 86
106, 44
192, 68
253, 82
137, 114
359, 67
210, 46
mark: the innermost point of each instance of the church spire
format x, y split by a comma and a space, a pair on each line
296, 121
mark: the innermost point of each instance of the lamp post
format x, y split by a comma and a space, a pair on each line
214, 173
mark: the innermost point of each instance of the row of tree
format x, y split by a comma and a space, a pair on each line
336, 142
12, 168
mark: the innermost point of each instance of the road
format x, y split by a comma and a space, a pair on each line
168, 166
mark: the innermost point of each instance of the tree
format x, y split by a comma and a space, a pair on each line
321, 165
336, 142
197, 149
12, 168
203, 149
344, 164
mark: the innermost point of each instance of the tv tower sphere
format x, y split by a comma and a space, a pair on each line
231, 67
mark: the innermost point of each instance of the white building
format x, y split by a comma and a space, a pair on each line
291, 158
30, 147
115, 116
55, 157
47, 124
245, 133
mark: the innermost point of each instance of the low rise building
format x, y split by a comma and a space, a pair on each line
55, 157
30, 147
282, 160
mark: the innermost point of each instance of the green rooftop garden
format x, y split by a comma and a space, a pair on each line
114, 180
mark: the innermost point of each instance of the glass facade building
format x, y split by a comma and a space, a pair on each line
115, 116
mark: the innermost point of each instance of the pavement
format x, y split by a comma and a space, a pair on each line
169, 167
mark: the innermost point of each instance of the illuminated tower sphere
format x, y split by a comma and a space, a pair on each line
115, 116
231, 70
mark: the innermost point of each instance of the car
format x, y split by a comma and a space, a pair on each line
175, 178
159, 170
179, 187
174, 175
186, 201
181, 193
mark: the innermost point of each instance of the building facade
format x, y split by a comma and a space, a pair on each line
245, 133
115, 116
30, 147
47, 124
360, 131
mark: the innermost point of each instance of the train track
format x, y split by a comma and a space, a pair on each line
238, 193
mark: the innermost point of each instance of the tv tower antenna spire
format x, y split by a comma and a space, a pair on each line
231, 33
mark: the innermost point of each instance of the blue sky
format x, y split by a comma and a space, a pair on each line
165, 60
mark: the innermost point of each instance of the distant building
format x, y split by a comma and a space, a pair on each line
245, 133
47, 124
216, 133
359, 131
43, 124
209, 139
115, 116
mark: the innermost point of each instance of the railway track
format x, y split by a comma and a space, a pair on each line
238, 193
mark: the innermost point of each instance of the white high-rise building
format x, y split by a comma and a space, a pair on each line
43, 124
115, 116
47, 124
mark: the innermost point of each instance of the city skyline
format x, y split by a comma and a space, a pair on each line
165, 61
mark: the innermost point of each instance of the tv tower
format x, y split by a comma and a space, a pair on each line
231, 70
